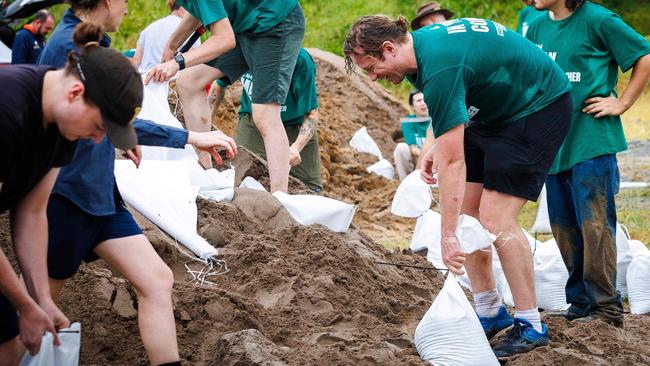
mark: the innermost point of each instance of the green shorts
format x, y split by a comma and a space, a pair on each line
270, 56
308, 171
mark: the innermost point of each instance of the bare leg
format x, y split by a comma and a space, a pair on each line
268, 122
135, 258
479, 263
196, 110
499, 212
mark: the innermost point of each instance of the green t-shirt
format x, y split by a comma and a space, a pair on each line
589, 46
254, 16
302, 97
480, 70
526, 16
415, 129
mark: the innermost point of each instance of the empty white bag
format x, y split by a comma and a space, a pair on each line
551, 276
413, 196
383, 168
638, 284
67, 354
450, 332
312, 209
362, 142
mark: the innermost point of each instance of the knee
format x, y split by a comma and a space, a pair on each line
159, 282
402, 149
492, 222
186, 84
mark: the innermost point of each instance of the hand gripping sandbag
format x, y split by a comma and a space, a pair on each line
450, 332
626, 250
362, 142
551, 277
542, 223
638, 284
312, 209
67, 354
382, 168
413, 196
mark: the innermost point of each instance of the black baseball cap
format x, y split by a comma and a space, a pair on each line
115, 86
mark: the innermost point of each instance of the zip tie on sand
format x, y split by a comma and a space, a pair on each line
211, 267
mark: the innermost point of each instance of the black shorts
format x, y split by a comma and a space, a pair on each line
8, 320
74, 234
515, 158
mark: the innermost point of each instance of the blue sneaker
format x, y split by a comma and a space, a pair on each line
522, 338
497, 323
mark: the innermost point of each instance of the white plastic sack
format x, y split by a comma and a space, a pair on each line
251, 183
382, 168
67, 354
551, 276
413, 196
312, 209
161, 191
472, 235
638, 284
626, 250
427, 232
362, 142
450, 332
542, 223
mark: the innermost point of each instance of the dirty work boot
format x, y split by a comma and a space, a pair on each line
497, 323
521, 338
618, 323
572, 313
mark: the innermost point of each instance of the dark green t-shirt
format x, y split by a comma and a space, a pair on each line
480, 70
302, 97
589, 46
415, 129
252, 16
526, 16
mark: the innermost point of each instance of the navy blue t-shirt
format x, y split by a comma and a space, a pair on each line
27, 47
89, 180
28, 147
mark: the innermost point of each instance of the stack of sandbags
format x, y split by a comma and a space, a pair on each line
362, 142
551, 276
638, 283
626, 250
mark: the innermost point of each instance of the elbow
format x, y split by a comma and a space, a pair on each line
229, 41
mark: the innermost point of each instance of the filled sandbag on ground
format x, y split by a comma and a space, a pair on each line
638, 284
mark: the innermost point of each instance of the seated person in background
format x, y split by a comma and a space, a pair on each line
299, 115
152, 40
414, 128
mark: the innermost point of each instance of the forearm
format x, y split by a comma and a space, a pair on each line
221, 41
153, 134
451, 180
29, 234
307, 131
187, 25
638, 82
10, 285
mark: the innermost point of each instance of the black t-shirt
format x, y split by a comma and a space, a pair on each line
28, 149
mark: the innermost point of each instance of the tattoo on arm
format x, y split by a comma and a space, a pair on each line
308, 128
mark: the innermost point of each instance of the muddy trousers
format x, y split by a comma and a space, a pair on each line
582, 212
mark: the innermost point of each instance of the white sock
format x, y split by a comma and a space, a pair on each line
487, 303
532, 316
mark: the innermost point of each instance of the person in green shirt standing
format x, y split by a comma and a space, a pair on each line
262, 37
520, 109
526, 16
299, 117
414, 129
590, 43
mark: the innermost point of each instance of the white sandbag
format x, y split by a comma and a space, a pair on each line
638, 284
161, 191
66, 354
217, 186
542, 223
362, 142
450, 332
471, 235
312, 209
626, 250
251, 183
631, 185
551, 276
382, 168
413, 196
427, 232
503, 288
